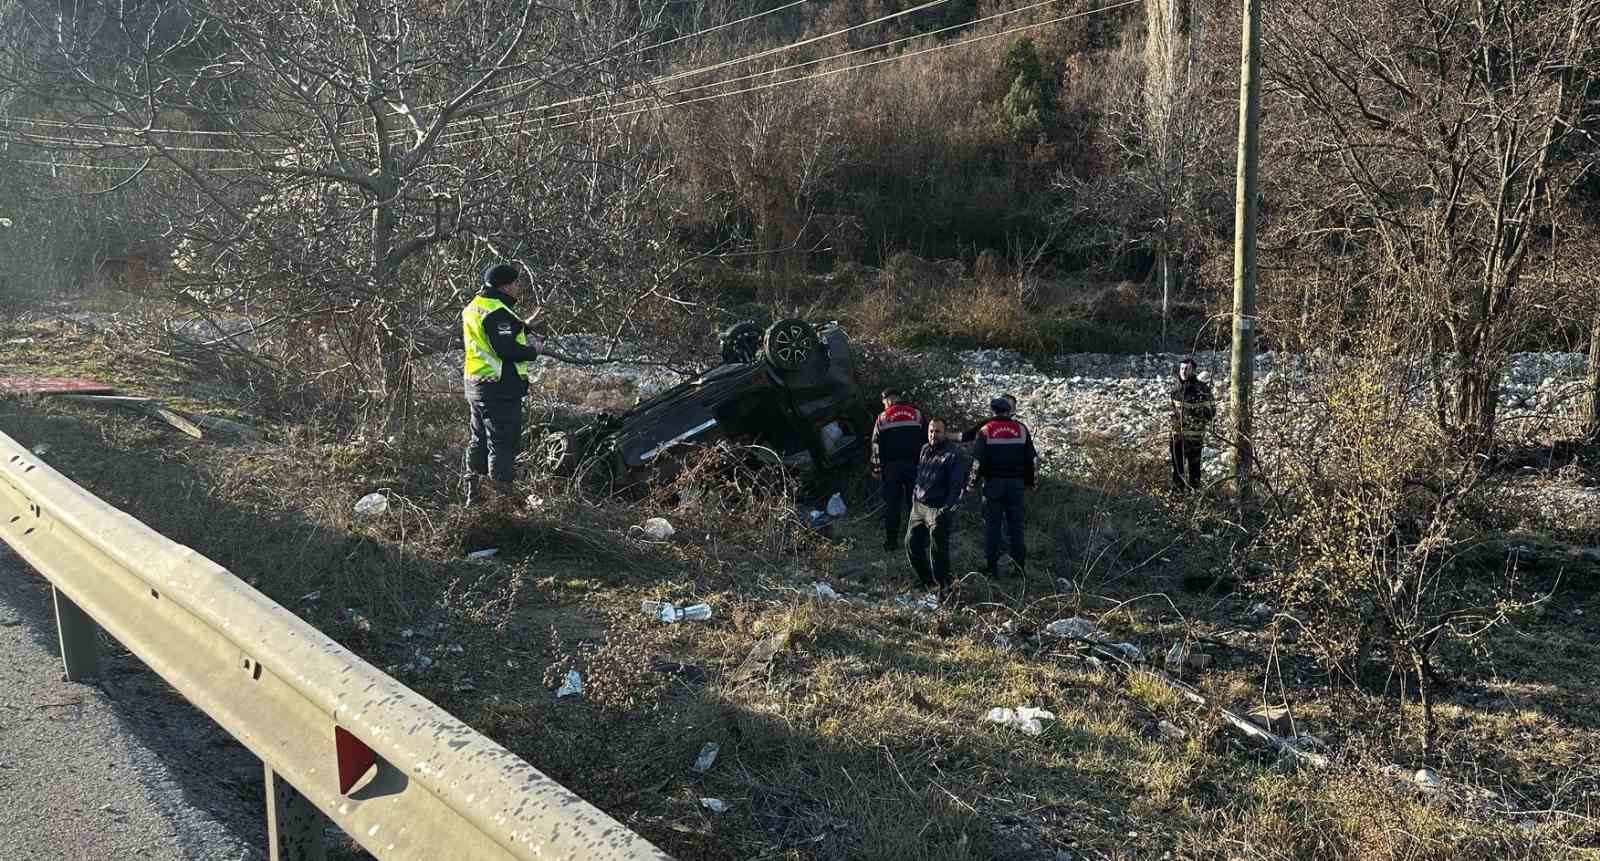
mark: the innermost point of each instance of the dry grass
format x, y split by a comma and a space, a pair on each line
863, 738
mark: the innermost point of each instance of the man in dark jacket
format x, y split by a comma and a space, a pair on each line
971, 434
1007, 463
1193, 408
495, 377
941, 479
896, 442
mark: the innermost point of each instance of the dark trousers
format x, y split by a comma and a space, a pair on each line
897, 482
496, 438
1185, 463
925, 523
1002, 512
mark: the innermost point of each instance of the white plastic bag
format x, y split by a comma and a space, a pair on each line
371, 505
836, 506
657, 528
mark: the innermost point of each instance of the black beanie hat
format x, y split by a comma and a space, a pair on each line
499, 274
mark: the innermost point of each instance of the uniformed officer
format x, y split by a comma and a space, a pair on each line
495, 377
897, 438
1007, 462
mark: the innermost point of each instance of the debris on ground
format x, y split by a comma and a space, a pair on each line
1169, 731
464, 686
371, 505
825, 593
671, 613
1427, 780
707, 757
573, 684
311, 597
485, 553
1273, 719
358, 619
656, 528
715, 805
919, 603
1130, 653
1025, 719
760, 658
689, 673
835, 507
1260, 611
1075, 628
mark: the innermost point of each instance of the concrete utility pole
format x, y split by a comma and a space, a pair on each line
1244, 248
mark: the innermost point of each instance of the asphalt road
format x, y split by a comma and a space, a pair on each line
121, 769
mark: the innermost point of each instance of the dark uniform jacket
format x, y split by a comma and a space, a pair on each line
941, 475
1193, 408
898, 435
502, 328
1004, 449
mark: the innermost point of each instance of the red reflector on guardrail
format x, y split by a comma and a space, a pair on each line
354, 758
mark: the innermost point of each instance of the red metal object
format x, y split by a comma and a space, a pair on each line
354, 758
26, 384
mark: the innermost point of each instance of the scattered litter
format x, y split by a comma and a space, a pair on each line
572, 685
407, 633
689, 673
1170, 731
1177, 656
760, 657
358, 619
1025, 719
42, 449
707, 757
1427, 779
1002, 641
1199, 661
1081, 629
1130, 652
671, 613
534, 501
371, 505
455, 649
1260, 611
657, 528
715, 805
311, 597
465, 686
836, 506
921, 603
485, 553
825, 592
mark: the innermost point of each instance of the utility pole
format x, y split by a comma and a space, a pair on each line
1244, 247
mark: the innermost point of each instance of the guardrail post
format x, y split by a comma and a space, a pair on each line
294, 825
80, 640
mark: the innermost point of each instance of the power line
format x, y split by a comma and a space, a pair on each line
858, 66
805, 64
723, 64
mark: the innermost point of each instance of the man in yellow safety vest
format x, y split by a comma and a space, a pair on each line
495, 377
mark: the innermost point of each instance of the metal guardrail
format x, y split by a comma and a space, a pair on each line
337, 737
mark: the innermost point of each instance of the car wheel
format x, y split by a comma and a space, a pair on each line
560, 451
790, 344
741, 344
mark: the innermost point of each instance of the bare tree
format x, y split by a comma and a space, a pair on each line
1166, 130
1434, 141
353, 163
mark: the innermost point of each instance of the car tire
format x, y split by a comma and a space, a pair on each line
560, 451
791, 344
741, 343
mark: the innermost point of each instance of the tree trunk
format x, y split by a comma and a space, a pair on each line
1592, 419
1166, 294
1477, 404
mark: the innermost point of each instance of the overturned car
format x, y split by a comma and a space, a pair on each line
788, 389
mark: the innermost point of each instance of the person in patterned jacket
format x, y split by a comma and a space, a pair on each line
1007, 465
1193, 408
897, 438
